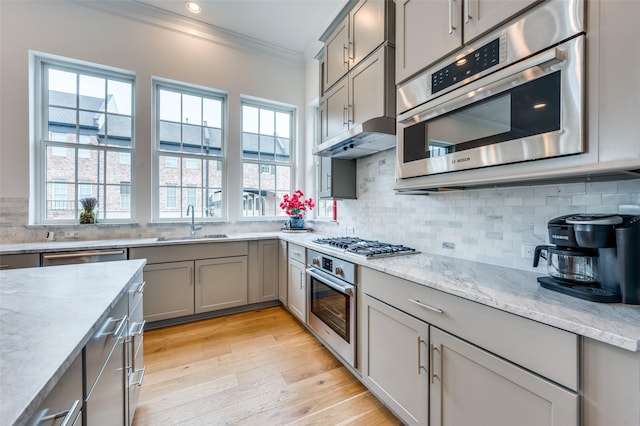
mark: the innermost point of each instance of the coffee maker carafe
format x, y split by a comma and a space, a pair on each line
594, 257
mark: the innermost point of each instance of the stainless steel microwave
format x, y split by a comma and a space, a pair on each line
501, 102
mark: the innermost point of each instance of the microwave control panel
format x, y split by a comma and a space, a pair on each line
483, 58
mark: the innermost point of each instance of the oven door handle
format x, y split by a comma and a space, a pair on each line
341, 288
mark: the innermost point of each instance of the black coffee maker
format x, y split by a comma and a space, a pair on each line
594, 257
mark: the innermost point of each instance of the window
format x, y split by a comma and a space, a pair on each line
125, 195
87, 126
171, 197
189, 134
267, 139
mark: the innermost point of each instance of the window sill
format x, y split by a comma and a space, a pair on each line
83, 225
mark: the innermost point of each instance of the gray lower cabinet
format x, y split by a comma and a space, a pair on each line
396, 359
64, 401
297, 290
491, 390
134, 355
220, 283
263, 271
282, 271
14, 261
296, 299
168, 291
437, 359
105, 362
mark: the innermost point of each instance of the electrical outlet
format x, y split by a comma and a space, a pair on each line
527, 251
74, 234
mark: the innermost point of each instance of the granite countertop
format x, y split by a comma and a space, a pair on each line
47, 315
510, 290
507, 289
68, 245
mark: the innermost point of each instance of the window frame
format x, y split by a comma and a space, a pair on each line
184, 88
275, 107
40, 63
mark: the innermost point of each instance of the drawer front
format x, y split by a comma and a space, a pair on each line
548, 351
104, 341
136, 289
297, 252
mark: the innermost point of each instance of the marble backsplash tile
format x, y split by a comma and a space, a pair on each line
486, 225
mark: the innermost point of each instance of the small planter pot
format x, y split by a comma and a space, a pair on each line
87, 216
296, 222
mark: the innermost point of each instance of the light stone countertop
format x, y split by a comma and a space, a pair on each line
510, 290
47, 315
507, 289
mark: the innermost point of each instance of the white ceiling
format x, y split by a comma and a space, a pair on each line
293, 25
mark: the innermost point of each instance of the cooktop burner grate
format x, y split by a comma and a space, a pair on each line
366, 248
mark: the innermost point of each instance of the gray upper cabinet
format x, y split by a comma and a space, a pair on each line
427, 31
479, 16
366, 92
336, 54
369, 28
354, 36
336, 178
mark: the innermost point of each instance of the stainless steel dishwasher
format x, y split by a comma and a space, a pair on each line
83, 256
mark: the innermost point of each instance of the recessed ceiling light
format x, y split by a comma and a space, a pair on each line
192, 7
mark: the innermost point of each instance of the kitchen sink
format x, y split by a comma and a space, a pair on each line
197, 237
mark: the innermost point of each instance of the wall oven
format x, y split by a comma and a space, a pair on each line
514, 95
331, 303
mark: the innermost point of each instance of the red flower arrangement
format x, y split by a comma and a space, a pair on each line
295, 205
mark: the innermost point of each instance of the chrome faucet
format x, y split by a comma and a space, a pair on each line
194, 228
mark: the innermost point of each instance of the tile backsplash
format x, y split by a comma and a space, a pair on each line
497, 226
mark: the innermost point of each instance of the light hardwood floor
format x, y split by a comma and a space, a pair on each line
254, 368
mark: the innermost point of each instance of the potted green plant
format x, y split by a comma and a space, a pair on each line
88, 214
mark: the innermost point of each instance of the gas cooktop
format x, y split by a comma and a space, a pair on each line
366, 248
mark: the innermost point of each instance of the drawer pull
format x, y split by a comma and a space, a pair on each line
116, 332
140, 374
139, 330
69, 416
422, 305
4, 266
140, 288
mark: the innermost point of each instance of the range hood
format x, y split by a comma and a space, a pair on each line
366, 138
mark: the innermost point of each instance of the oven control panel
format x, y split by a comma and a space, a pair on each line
333, 266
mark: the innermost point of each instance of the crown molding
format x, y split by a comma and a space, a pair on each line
154, 16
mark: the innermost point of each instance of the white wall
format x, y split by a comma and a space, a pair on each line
80, 32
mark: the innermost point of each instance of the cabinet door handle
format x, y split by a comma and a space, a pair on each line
467, 12
301, 278
116, 332
351, 52
328, 180
140, 288
422, 305
139, 328
433, 375
420, 366
4, 266
345, 118
350, 113
451, 27
69, 416
345, 57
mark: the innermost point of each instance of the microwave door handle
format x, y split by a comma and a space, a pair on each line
344, 289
